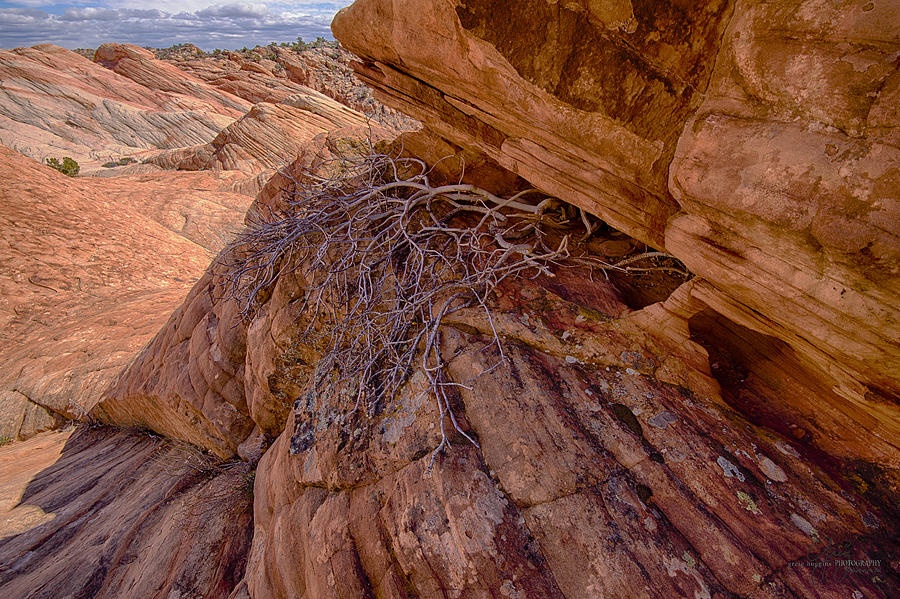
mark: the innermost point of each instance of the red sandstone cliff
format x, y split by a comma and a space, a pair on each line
724, 441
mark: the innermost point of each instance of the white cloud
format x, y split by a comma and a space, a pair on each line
89, 14
93, 13
234, 11
170, 6
22, 16
162, 23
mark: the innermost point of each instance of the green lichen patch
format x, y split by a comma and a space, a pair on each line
747, 503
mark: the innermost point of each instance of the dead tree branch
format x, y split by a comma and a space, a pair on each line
386, 256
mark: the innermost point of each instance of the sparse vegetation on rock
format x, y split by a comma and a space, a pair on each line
619, 427
387, 256
120, 162
67, 167
262, 74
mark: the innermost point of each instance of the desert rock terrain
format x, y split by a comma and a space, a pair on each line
584, 431
93, 265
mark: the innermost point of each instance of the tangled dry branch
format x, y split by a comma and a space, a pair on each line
386, 256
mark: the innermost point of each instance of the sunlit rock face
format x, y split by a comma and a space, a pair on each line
93, 266
609, 464
586, 102
620, 447
57, 103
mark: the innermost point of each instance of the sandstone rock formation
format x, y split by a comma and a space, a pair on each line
753, 140
284, 118
89, 269
609, 460
268, 137
207, 376
609, 463
54, 103
118, 514
129, 104
272, 73
595, 477
141, 66
799, 224
731, 435
83, 288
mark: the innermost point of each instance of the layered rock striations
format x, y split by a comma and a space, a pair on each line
731, 435
586, 103
284, 118
788, 178
610, 461
111, 513
128, 104
90, 269
140, 66
55, 102
597, 475
209, 376
267, 137
753, 140
271, 73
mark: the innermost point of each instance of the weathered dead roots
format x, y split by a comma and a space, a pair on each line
386, 256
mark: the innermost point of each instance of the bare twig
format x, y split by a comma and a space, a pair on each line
386, 256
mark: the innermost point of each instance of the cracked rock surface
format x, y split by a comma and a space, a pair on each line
736, 438
751, 139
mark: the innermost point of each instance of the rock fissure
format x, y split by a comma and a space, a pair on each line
641, 437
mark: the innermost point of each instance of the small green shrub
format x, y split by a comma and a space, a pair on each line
319, 42
5, 440
67, 167
120, 162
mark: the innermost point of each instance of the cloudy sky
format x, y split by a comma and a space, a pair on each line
160, 23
